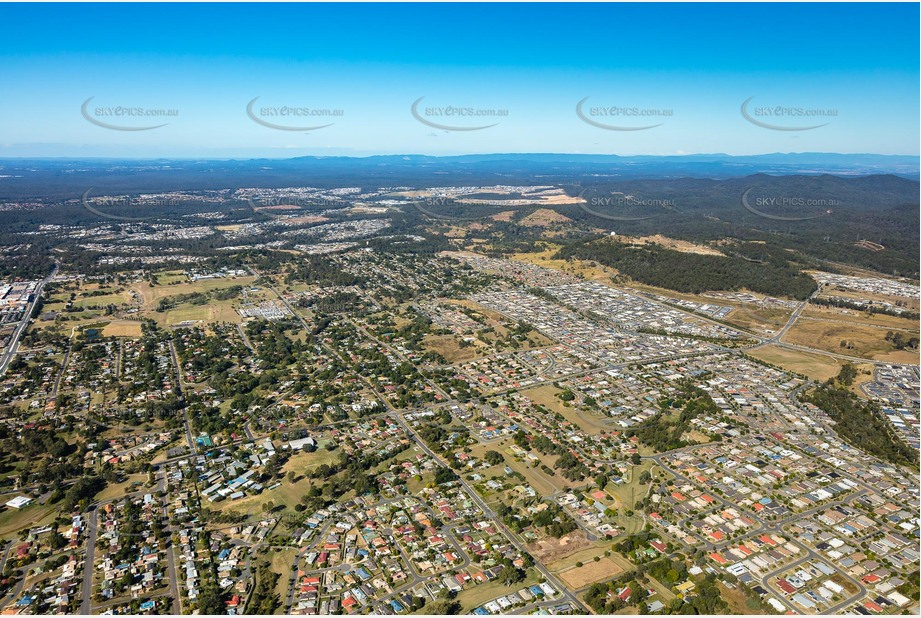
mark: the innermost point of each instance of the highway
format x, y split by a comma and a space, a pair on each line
13, 346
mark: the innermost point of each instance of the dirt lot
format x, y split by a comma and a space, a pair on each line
550, 550
580, 577
670, 243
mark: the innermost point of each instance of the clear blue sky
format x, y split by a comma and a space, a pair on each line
537, 61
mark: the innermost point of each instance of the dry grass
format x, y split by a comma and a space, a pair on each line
545, 395
449, 347
542, 483
122, 328
737, 601
861, 317
505, 216
221, 311
152, 294
120, 298
580, 577
550, 550
13, 520
863, 341
669, 243
814, 366
544, 218
117, 490
281, 564
864, 374
591, 271
764, 321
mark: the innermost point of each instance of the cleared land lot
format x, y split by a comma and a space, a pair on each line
449, 347
580, 577
863, 341
588, 270
764, 321
545, 395
814, 366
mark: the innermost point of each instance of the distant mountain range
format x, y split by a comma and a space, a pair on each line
62, 177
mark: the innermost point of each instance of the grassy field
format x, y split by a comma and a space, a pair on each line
151, 295
589, 270
628, 493
117, 490
214, 311
168, 277
101, 301
281, 564
449, 347
122, 328
765, 321
545, 395
861, 317
13, 520
863, 341
591, 572
586, 555
814, 366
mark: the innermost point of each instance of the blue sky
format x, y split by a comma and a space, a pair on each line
853, 67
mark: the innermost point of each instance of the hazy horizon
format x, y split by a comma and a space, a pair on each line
277, 81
